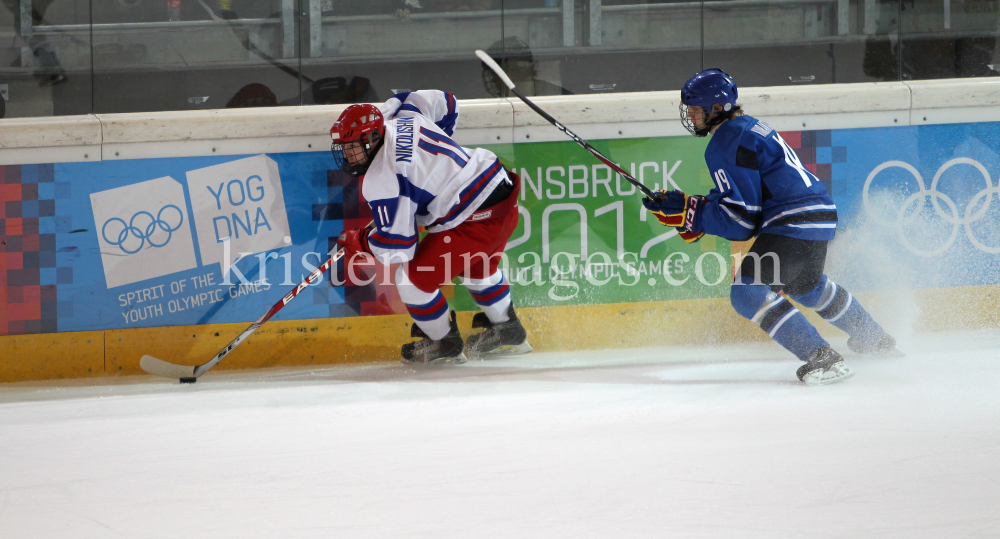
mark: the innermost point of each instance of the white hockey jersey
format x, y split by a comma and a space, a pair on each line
421, 177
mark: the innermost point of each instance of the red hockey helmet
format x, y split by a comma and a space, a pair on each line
356, 137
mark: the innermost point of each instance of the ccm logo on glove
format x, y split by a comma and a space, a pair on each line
676, 209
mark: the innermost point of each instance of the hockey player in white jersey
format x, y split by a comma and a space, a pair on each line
413, 174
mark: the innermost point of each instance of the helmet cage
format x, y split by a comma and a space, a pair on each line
370, 145
358, 124
688, 123
710, 118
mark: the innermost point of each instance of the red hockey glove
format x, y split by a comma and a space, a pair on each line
674, 208
355, 241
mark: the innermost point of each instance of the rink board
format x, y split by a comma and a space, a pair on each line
121, 253
377, 338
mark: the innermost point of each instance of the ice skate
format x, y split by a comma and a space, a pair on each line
824, 366
884, 346
506, 338
427, 351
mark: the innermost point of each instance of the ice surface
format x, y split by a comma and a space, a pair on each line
671, 442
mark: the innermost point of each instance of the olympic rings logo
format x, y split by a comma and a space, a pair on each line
913, 206
143, 231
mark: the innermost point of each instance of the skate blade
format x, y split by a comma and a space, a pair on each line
454, 360
504, 351
820, 378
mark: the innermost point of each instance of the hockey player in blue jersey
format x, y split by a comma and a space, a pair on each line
762, 190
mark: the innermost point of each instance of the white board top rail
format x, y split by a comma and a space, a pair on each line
484, 121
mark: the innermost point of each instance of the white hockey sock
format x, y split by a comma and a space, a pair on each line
428, 309
492, 294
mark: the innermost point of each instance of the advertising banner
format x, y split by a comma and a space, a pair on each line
919, 206
584, 236
197, 240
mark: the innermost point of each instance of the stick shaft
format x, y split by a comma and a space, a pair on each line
312, 278
166, 369
485, 58
645, 190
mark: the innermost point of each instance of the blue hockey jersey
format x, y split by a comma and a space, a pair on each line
761, 186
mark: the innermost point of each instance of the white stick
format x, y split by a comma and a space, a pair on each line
496, 68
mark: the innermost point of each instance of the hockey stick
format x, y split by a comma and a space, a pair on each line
510, 84
189, 375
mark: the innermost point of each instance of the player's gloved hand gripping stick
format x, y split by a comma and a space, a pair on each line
189, 374
678, 210
510, 84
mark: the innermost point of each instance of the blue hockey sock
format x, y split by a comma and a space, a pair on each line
836, 305
776, 316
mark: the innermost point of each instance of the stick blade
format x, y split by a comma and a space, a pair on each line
496, 68
166, 369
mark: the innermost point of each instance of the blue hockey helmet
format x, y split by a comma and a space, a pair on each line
707, 88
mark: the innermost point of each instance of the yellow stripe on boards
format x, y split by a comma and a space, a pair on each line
378, 338
48, 356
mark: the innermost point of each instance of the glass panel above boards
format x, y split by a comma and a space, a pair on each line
104, 56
